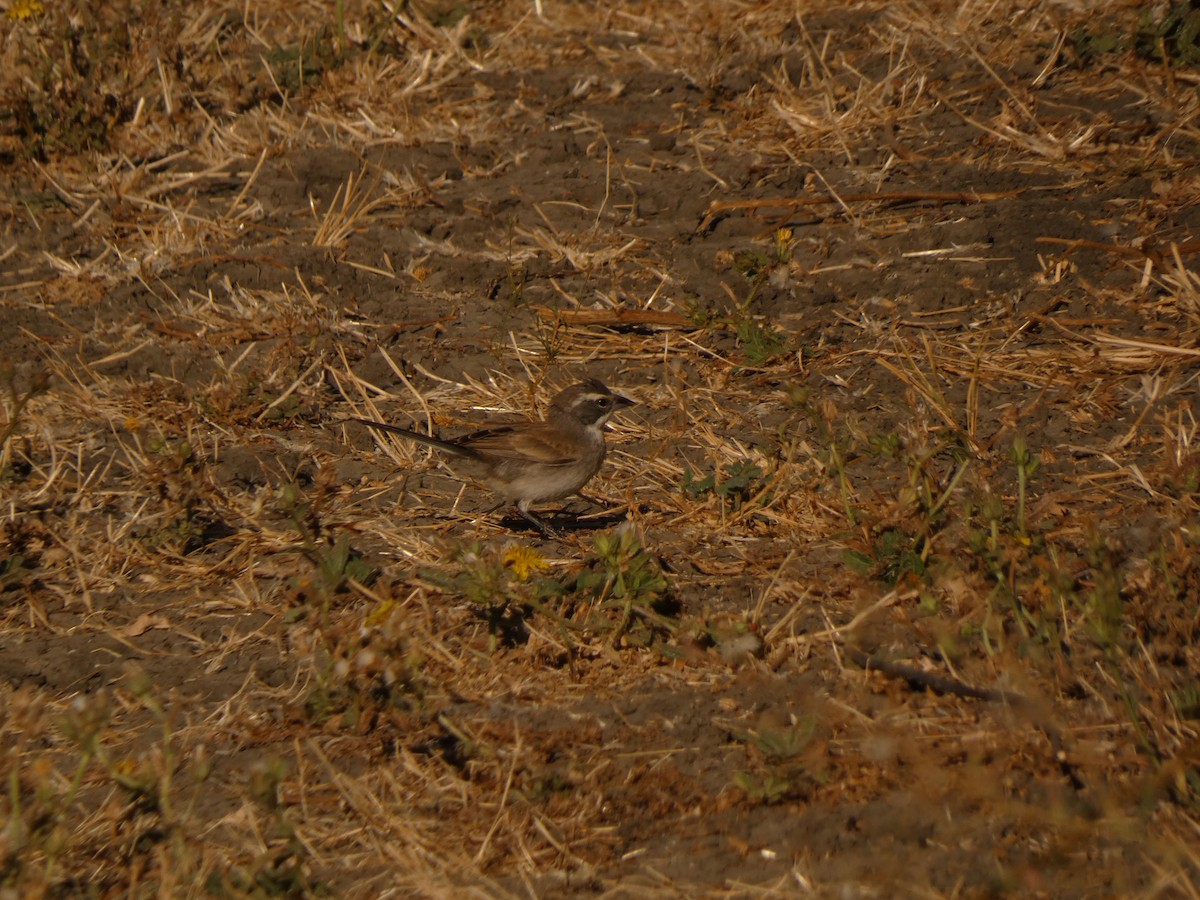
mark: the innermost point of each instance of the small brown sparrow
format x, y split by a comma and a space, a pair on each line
532, 462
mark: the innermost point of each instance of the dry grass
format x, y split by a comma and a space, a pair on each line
904, 294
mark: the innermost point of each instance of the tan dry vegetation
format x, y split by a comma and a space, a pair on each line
906, 295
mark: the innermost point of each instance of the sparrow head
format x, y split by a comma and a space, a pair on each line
589, 403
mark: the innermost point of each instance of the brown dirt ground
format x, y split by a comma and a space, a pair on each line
225, 230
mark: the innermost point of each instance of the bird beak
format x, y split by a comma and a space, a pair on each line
620, 402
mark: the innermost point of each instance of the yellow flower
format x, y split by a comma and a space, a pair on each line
783, 244
25, 9
524, 561
381, 612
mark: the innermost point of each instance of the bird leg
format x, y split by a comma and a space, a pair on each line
595, 501
546, 531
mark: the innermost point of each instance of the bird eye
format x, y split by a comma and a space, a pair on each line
604, 402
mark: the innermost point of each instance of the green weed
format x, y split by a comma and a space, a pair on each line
281, 870
76, 90
15, 570
503, 584
1185, 700
293, 68
776, 774
736, 486
1164, 32
371, 668
767, 788
335, 563
898, 544
619, 590
760, 342
782, 742
156, 792
625, 577
1169, 33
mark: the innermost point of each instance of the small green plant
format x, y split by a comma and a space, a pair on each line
160, 787
292, 68
508, 586
37, 825
517, 276
1164, 33
901, 554
75, 93
505, 585
1186, 700
1170, 34
1026, 466
1091, 42
760, 343
776, 774
738, 485
552, 337
898, 544
1191, 480
778, 743
1102, 603
624, 576
886, 444
280, 870
515, 270
372, 668
14, 571
187, 522
357, 672
335, 562
1104, 610
1008, 549
767, 788
698, 313
834, 460
339, 564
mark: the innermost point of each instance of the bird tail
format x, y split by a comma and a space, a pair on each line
436, 443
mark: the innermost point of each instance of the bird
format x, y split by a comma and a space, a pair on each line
533, 462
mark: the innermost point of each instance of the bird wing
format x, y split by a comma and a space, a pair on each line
532, 442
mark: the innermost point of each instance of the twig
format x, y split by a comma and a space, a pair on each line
793, 203
618, 318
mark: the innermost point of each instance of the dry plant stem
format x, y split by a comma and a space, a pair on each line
618, 318
717, 207
937, 683
940, 684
